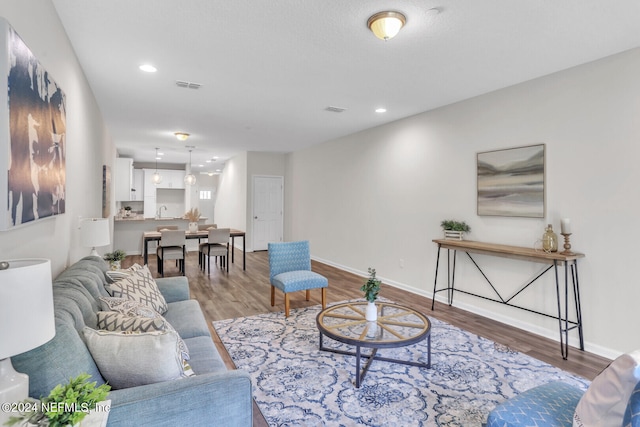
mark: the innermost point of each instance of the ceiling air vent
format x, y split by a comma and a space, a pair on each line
334, 109
188, 85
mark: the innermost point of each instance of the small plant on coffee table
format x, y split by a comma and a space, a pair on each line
371, 287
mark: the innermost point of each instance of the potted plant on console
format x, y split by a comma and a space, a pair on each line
193, 215
115, 258
454, 229
371, 289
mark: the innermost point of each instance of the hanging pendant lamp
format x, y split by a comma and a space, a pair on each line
190, 178
156, 178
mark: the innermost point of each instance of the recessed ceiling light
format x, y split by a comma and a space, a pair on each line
148, 68
158, 158
381, 110
161, 154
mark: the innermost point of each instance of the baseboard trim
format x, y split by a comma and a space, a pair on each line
534, 329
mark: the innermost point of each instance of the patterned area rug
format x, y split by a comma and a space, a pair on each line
295, 384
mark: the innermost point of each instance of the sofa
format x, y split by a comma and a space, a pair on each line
215, 395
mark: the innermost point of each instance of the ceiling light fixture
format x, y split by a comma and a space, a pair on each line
385, 25
181, 136
381, 110
156, 178
190, 178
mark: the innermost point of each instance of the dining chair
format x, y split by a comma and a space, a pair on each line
171, 247
290, 271
166, 227
203, 227
217, 245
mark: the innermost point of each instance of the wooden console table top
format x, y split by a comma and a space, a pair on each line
506, 251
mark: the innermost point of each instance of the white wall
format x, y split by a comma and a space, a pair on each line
89, 145
231, 201
377, 197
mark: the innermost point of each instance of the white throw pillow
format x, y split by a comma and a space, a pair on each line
119, 322
131, 359
141, 287
604, 402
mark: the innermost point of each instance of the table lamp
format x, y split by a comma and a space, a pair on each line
26, 321
94, 232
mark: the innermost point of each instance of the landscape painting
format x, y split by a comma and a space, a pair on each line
36, 118
511, 182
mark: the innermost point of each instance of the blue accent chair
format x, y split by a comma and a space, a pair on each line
552, 405
290, 271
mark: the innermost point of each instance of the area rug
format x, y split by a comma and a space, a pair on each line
296, 384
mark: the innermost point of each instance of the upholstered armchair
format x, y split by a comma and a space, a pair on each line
290, 271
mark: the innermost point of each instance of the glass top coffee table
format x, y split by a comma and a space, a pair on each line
397, 326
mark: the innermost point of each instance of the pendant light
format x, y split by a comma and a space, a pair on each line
190, 178
156, 178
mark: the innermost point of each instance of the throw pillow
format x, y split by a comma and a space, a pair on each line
604, 402
127, 307
132, 359
140, 287
114, 321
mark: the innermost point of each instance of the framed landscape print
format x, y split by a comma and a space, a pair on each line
32, 135
511, 182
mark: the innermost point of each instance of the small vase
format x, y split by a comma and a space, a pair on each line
114, 265
193, 227
372, 312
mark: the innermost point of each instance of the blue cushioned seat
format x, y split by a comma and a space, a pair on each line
632, 413
290, 271
548, 405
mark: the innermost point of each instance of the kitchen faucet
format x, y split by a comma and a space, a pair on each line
159, 213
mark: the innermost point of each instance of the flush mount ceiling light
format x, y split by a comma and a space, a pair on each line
385, 25
181, 136
190, 178
156, 178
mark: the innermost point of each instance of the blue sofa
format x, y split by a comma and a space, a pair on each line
214, 396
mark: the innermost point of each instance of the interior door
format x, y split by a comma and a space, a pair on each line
267, 211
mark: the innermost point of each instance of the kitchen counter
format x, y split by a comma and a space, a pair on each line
127, 232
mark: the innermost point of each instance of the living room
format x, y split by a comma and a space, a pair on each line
377, 197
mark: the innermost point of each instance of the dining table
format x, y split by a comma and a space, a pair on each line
149, 236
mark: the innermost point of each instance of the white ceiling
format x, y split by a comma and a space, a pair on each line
269, 69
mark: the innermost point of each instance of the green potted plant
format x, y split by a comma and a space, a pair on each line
454, 229
66, 404
115, 258
371, 289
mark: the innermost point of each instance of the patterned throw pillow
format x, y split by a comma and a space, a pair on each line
115, 275
127, 307
118, 322
132, 359
141, 287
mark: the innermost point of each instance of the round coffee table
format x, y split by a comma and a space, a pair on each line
397, 326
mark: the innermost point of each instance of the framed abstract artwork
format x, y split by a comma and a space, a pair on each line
511, 182
32, 136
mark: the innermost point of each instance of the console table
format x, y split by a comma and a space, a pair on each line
554, 260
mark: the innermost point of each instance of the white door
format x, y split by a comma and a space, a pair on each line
267, 211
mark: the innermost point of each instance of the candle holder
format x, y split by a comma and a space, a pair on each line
567, 244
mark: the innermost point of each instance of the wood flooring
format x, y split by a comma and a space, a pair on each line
241, 293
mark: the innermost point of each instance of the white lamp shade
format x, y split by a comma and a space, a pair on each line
26, 306
94, 232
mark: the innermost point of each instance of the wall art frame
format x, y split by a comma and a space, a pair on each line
511, 182
32, 136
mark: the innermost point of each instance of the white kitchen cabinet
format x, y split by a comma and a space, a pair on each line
137, 190
123, 178
171, 179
